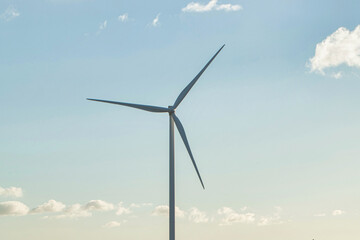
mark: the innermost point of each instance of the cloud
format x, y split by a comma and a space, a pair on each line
264, 221
102, 27
274, 219
124, 17
122, 210
78, 210
137, 205
230, 216
337, 75
98, 205
11, 192
210, 6
196, 216
341, 47
75, 211
112, 224
338, 212
10, 14
155, 22
163, 210
50, 206
13, 208
243, 208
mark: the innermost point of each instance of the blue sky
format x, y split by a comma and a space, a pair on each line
273, 122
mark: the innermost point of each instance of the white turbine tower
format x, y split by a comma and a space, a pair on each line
173, 118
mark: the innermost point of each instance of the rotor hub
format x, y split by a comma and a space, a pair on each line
171, 108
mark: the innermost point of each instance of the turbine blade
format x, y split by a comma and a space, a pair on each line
138, 106
183, 136
192, 83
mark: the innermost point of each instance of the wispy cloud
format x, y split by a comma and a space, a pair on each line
230, 216
102, 27
122, 210
13, 208
11, 192
10, 13
155, 22
196, 216
138, 205
341, 47
210, 6
338, 212
78, 210
163, 210
123, 18
58, 210
337, 75
270, 220
75, 211
112, 224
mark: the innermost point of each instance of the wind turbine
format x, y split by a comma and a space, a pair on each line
172, 118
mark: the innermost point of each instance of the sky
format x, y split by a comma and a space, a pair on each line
273, 123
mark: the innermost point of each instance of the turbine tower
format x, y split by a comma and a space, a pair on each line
172, 118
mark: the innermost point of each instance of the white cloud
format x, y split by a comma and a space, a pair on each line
75, 211
112, 224
122, 210
338, 212
243, 208
230, 216
341, 47
155, 22
196, 216
78, 210
50, 206
210, 6
274, 219
98, 205
13, 208
163, 210
337, 75
264, 221
103, 25
9, 14
11, 192
137, 205
124, 17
